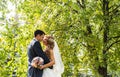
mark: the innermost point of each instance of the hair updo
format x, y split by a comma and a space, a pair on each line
50, 41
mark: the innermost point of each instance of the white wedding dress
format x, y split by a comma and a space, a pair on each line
58, 67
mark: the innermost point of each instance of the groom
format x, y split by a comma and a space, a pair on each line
35, 50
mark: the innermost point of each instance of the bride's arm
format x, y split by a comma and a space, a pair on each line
51, 63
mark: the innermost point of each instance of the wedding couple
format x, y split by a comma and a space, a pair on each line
52, 65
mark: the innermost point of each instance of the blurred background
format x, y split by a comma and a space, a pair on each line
87, 32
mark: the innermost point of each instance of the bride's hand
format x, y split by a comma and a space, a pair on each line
34, 65
42, 67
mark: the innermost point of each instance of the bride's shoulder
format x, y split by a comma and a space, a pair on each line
50, 50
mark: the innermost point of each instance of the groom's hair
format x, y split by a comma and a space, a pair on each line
40, 32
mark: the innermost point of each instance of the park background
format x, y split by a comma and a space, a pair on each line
87, 32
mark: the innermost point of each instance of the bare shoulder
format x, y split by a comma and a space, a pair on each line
51, 50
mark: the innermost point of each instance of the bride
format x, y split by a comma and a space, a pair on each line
52, 52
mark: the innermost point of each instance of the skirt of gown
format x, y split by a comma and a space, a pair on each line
47, 72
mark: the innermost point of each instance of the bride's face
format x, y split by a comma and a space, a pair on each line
45, 40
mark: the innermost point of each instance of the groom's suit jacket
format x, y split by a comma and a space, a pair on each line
34, 50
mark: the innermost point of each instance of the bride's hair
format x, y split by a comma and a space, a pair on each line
50, 41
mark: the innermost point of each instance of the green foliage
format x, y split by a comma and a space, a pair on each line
77, 25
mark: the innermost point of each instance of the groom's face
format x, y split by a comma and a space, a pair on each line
45, 40
41, 37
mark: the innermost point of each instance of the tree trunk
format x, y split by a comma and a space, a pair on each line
103, 69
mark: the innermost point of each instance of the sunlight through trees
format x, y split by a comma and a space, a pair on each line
87, 32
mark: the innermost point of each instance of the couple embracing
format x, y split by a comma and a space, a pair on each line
47, 63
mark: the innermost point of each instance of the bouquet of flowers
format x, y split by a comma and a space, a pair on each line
37, 61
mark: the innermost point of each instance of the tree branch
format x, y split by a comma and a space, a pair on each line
80, 5
75, 11
114, 10
112, 44
114, 6
114, 37
114, 15
84, 44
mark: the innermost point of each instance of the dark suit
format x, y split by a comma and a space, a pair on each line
34, 50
